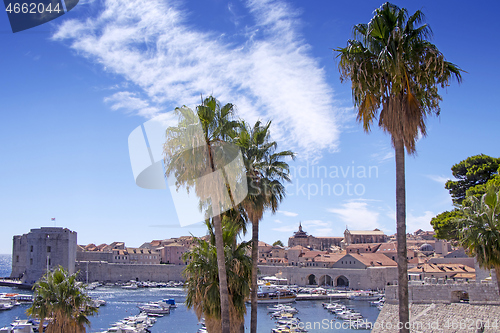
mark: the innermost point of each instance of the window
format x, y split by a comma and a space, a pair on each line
31, 248
17, 258
48, 249
31, 261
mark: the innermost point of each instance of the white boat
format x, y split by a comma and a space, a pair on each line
366, 296
269, 293
154, 308
131, 286
6, 306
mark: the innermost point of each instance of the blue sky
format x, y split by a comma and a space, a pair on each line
72, 90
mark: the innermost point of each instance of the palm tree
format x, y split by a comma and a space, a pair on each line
265, 170
58, 297
202, 283
194, 149
479, 231
395, 73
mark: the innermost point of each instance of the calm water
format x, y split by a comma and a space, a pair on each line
122, 303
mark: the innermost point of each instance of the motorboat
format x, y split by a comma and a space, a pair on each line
366, 296
131, 286
269, 293
170, 302
154, 308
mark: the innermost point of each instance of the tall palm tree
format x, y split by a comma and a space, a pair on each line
395, 73
265, 170
479, 231
58, 297
190, 165
202, 283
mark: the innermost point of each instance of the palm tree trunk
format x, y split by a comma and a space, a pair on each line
255, 261
221, 260
497, 273
221, 263
404, 314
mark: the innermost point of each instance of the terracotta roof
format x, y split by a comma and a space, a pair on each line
388, 247
366, 232
263, 244
312, 254
442, 268
373, 259
331, 257
299, 247
372, 247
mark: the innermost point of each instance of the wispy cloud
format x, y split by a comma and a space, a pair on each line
413, 223
284, 212
439, 179
357, 215
268, 75
315, 223
288, 228
383, 156
278, 221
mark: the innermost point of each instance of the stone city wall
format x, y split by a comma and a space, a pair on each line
111, 272
479, 294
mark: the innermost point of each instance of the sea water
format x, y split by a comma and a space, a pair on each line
122, 303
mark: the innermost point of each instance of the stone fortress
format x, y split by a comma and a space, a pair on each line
41, 249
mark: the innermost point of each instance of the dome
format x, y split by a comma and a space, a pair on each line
426, 248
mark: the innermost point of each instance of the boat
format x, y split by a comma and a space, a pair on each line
366, 296
282, 308
171, 302
154, 308
132, 286
269, 293
6, 306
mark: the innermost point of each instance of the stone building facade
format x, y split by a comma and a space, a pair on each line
301, 238
41, 249
364, 236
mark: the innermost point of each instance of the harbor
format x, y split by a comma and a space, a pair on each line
123, 303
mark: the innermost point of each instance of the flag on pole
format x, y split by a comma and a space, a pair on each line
53, 219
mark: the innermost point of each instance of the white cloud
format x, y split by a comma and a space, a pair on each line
324, 231
314, 223
357, 215
128, 101
278, 221
269, 75
287, 229
284, 212
439, 179
413, 223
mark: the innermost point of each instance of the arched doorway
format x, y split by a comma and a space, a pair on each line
325, 280
342, 281
311, 279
